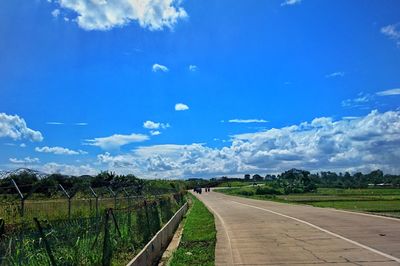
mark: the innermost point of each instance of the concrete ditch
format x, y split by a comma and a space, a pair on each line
153, 251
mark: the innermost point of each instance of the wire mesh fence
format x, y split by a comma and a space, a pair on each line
110, 234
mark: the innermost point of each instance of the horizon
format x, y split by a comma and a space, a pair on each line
178, 89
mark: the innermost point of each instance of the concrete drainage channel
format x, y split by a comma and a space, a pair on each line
153, 251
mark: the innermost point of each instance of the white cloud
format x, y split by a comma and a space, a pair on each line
181, 107
335, 75
158, 67
81, 124
290, 2
155, 132
247, 121
26, 160
107, 14
389, 92
67, 169
116, 140
55, 13
155, 125
193, 68
361, 100
393, 32
54, 123
22, 145
59, 150
356, 144
14, 127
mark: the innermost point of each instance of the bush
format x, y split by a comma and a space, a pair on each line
267, 191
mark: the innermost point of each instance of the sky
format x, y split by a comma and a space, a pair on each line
183, 89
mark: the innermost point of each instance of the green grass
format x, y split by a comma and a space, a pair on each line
384, 201
197, 245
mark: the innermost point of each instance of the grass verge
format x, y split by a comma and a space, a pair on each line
197, 245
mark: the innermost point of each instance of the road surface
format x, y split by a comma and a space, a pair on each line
255, 232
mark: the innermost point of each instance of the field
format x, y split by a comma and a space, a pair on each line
383, 201
197, 246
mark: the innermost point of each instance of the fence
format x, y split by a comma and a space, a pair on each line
113, 236
87, 202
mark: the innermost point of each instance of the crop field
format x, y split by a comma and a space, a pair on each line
383, 201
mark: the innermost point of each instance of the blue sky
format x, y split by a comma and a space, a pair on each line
263, 86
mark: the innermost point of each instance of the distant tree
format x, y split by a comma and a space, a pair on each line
247, 177
257, 178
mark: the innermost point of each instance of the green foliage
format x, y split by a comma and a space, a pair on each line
264, 190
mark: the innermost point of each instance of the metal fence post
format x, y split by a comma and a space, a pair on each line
129, 211
107, 251
97, 201
46, 244
69, 200
21, 196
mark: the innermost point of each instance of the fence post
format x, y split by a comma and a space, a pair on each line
129, 211
97, 201
21, 196
2, 227
69, 200
115, 223
107, 252
46, 244
114, 195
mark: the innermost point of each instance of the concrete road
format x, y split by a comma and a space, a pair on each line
255, 232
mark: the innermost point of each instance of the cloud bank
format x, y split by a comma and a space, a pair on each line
59, 150
357, 144
107, 14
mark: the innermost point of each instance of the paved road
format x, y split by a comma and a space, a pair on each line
254, 232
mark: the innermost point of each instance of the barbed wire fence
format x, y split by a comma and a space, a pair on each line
102, 226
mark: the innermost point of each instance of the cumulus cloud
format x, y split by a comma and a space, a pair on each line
393, 32
26, 160
59, 150
193, 68
247, 121
14, 127
335, 75
356, 144
389, 92
158, 67
181, 107
155, 132
55, 13
107, 14
116, 140
290, 2
155, 125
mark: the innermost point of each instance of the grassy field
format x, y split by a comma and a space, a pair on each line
383, 201
197, 245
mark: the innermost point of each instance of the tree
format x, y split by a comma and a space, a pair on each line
257, 177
